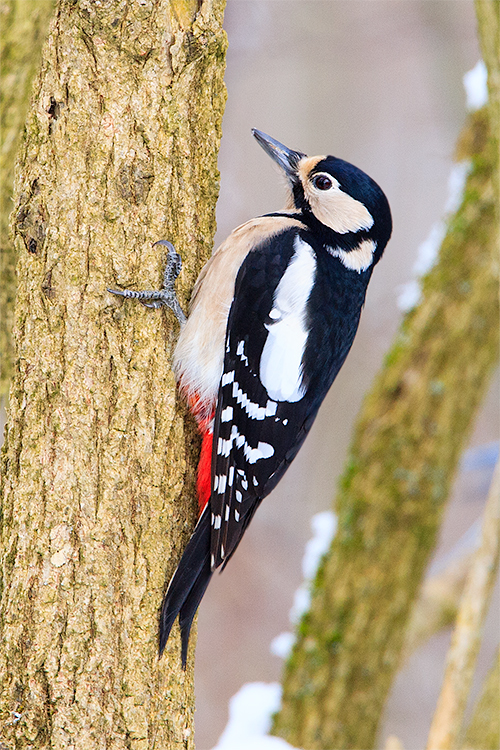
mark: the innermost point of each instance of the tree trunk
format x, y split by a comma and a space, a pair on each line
406, 446
98, 465
22, 33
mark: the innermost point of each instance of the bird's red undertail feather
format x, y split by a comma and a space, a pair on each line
205, 426
204, 470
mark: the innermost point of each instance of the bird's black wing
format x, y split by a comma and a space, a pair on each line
265, 405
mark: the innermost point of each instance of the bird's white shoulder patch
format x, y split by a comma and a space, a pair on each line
358, 259
281, 360
199, 354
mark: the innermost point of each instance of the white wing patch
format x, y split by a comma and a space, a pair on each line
281, 360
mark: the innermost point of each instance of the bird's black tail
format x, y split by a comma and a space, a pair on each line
188, 585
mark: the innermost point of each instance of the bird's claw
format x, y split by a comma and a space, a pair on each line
165, 297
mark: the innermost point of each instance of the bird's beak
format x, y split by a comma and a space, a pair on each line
285, 157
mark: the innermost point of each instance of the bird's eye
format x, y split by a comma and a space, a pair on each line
322, 182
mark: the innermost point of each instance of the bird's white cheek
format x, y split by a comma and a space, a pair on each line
339, 211
282, 355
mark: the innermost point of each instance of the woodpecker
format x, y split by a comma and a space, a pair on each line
272, 317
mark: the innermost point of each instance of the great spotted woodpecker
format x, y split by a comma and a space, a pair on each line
273, 315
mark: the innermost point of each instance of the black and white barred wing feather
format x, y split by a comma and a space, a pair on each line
264, 410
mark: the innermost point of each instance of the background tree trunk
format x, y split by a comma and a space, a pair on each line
23, 28
406, 446
98, 465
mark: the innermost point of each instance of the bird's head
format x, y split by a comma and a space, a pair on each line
346, 202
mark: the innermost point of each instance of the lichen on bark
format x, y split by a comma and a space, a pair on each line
120, 150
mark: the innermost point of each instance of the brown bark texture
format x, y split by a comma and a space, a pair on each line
409, 436
119, 151
23, 28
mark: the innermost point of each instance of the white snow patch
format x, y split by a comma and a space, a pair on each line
301, 603
456, 186
250, 716
427, 253
476, 86
409, 295
476, 89
282, 645
428, 250
324, 526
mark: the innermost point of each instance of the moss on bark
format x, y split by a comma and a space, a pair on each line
98, 466
23, 28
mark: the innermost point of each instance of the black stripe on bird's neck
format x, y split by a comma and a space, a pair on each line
329, 238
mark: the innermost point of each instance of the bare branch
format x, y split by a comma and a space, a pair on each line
483, 732
466, 638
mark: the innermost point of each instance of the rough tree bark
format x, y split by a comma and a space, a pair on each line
120, 150
407, 442
23, 28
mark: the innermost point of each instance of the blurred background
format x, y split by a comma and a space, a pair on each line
378, 83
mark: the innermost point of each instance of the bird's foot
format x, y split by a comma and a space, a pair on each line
165, 297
